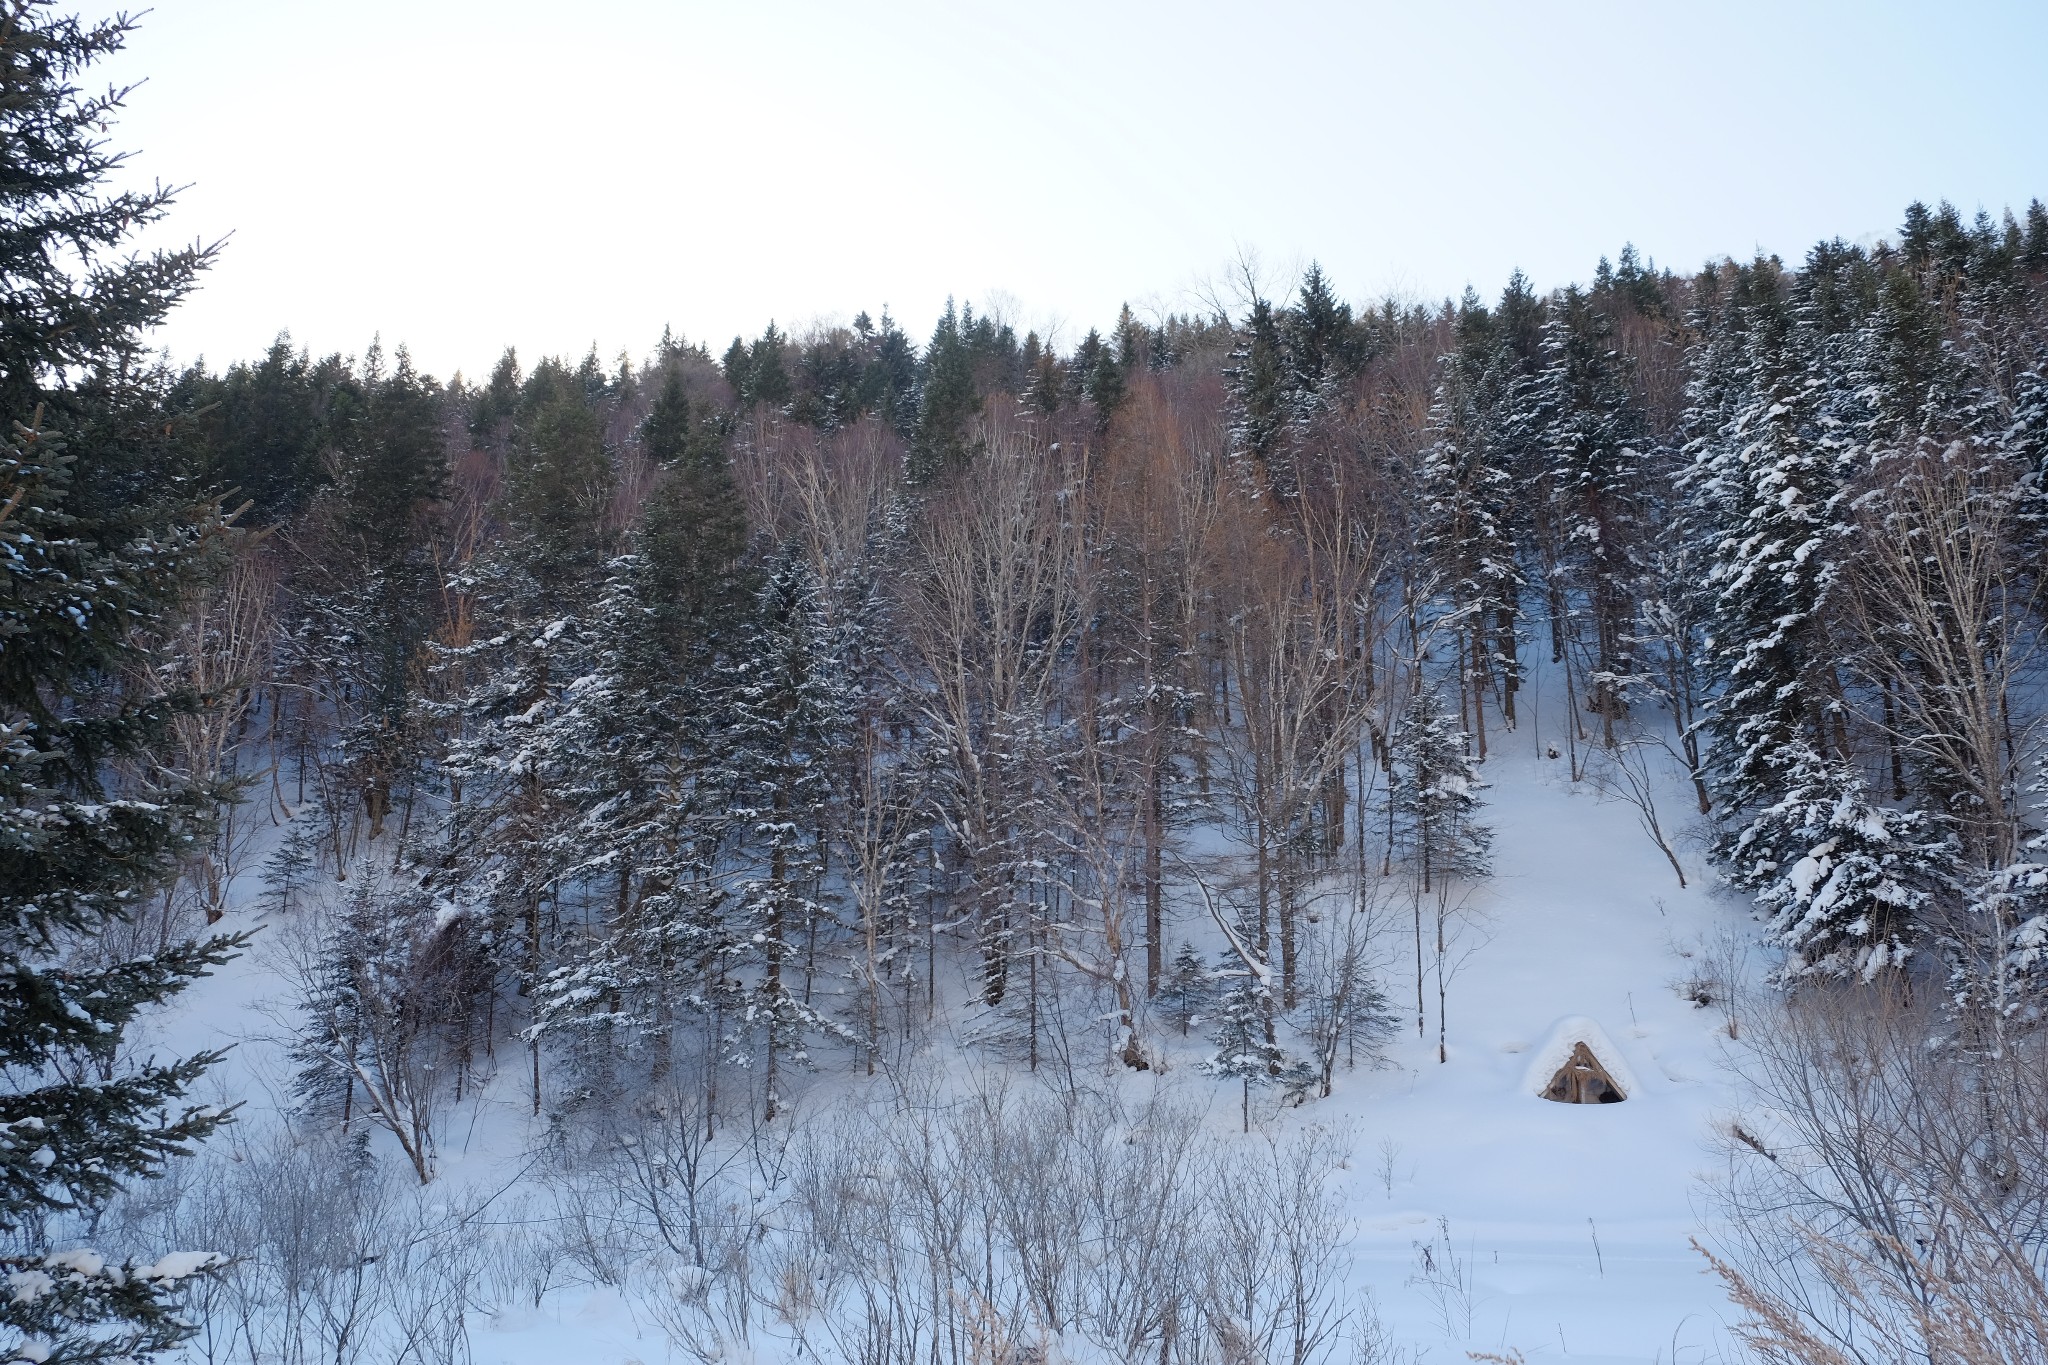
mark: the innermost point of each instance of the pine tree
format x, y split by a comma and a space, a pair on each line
1766, 479
558, 487
80, 846
787, 718
1468, 505
1185, 992
492, 408
767, 376
1258, 396
1587, 426
1245, 1049
1435, 793
1320, 341
1841, 877
665, 435
2034, 247
386, 1013
262, 428
1102, 377
368, 587
289, 869
946, 404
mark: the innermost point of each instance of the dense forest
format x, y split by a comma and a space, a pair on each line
691, 725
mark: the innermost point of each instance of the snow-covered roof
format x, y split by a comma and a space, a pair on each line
1566, 1034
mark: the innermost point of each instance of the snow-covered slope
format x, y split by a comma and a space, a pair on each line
1482, 1217
1574, 1220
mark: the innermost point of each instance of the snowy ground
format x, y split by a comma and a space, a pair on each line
1575, 1219
1553, 1229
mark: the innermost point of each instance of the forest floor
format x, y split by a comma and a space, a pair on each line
1481, 1217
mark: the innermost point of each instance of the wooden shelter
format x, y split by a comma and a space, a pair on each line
1582, 1080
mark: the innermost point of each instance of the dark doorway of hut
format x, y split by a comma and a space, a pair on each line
1582, 1080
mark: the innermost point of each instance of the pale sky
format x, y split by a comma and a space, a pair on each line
458, 176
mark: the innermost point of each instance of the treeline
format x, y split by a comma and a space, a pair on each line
706, 709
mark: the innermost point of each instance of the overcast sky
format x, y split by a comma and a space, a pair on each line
459, 176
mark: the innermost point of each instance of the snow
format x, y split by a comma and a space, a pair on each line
1577, 1219
26, 1286
179, 1265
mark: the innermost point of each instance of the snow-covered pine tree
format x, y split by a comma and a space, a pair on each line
787, 716
1320, 346
1246, 1050
289, 869
1584, 419
1435, 789
1185, 992
388, 1010
1765, 480
1467, 533
1841, 877
86, 551
508, 839
366, 584
1345, 1010
615, 762
1255, 379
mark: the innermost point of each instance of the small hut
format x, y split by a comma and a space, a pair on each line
1579, 1065
1582, 1080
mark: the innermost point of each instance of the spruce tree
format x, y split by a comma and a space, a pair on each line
1841, 878
788, 715
1588, 427
1256, 382
947, 402
2034, 243
1245, 1048
368, 585
1435, 793
1185, 992
81, 847
1765, 475
1320, 342
1468, 506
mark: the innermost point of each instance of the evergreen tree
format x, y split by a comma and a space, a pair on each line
387, 1013
1045, 383
1320, 340
1587, 425
1257, 387
665, 435
1245, 1048
2034, 245
1435, 793
1468, 506
1767, 478
1102, 377
788, 715
558, 488
947, 402
367, 585
1185, 992
1840, 877
263, 428
692, 545
495, 405
767, 375
80, 845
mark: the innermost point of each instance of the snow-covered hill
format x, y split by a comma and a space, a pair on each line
1478, 1215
